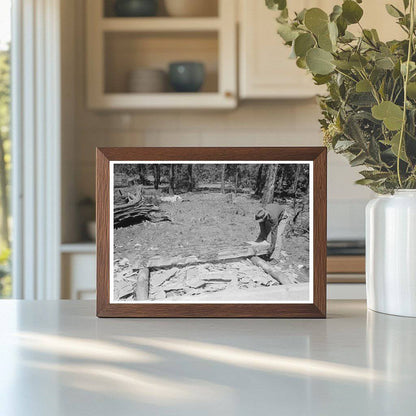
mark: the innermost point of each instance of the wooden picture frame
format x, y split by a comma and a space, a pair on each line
317, 156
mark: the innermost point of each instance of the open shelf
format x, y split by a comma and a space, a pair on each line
160, 24
116, 46
80, 247
127, 51
108, 9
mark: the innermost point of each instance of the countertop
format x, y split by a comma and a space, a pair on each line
56, 358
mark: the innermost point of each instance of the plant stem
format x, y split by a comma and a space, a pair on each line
406, 80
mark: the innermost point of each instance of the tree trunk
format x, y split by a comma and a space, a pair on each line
281, 179
259, 184
236, 179
295, 184
142, 174
172, 179
4, 196
190, 178
280, 233
223, 179
156, 176
268, 192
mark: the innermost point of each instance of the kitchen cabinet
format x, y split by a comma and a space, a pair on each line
116, 46
265, 70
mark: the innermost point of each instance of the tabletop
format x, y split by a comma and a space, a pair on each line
57, 358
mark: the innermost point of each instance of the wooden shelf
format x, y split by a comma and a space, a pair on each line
159, 24
76, 248
346, 264
129, 101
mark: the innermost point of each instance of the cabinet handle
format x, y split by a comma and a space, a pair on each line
228, 94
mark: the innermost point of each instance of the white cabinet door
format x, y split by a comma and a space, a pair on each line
265, 68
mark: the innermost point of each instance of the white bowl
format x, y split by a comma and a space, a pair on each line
191, 8
146, 80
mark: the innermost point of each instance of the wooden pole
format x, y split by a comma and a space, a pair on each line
142, 288
280, 233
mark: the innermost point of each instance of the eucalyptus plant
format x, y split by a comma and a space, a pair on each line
369, 113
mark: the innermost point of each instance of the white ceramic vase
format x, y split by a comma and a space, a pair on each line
391, 253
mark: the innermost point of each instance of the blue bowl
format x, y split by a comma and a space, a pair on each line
136, 8
186, 76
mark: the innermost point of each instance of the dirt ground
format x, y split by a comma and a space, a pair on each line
201, 220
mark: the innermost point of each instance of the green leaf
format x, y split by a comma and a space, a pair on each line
394, 144
343, 65
343, 145
286, 32
321, 79
358, 61
276, 4
301, 63
300, 17
364, 182
363, 86
374, 175
385, 63
358, 160
351, 11
406, 4
393, 11
348, 37
303, 43
391, 114
411, 90
342, 25
336, 12
319, 61
316, 20
374, 150
412, 67
325, 43
375, 35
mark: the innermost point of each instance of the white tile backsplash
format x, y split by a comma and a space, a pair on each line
271, 123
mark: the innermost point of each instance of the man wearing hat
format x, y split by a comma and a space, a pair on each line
268, 219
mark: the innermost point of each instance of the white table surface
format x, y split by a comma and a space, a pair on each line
57, 359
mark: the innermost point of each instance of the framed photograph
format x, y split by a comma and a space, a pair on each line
211, 232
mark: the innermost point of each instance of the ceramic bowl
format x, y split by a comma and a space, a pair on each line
186, 76
136, 8
147, 80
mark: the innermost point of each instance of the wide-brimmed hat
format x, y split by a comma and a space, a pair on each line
261, 215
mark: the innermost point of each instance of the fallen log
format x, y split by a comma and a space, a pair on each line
142, 288
244, 251
272, 271
137, 213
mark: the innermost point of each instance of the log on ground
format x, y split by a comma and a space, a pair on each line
272, 271
142, 288
244, 251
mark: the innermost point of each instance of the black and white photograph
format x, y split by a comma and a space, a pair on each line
211, 232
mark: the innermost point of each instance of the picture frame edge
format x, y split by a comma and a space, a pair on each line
104, 309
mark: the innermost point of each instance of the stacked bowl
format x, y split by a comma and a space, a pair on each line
147, 80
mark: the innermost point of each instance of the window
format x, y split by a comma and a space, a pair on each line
5, 144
